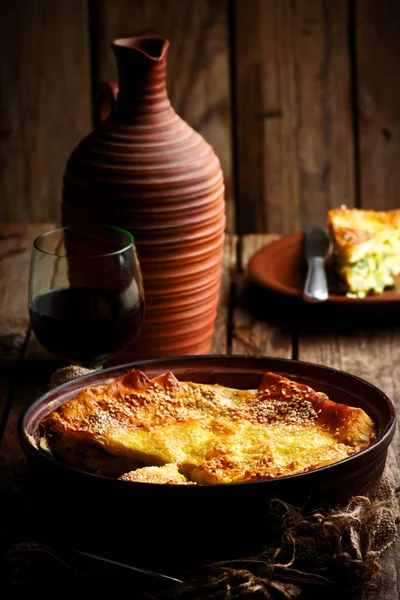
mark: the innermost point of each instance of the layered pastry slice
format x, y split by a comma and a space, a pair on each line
366, 249
166, 431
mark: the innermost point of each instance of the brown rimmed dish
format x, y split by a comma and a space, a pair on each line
280, 267
160, 525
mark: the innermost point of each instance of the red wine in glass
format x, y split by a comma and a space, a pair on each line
85, 326
86, 294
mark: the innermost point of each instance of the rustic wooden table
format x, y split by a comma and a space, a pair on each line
249, 322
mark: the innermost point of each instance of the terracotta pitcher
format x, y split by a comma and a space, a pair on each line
147, 170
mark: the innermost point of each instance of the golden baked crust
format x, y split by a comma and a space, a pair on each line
366, 247
207, 433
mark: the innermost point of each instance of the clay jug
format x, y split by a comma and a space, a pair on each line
146, 170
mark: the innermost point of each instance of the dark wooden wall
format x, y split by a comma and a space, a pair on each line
299, 98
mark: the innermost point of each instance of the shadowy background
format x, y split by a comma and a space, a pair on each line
299, 98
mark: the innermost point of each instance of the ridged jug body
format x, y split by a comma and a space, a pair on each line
146, 170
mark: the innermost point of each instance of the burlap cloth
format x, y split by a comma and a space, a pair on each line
318, 555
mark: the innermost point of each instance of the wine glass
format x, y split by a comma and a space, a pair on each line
86, 299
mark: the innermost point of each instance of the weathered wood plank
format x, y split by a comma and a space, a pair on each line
16, 242
229, 267
252, 331
32, 381
16, 503
198, 63
293, 114
45, 100
388, 588
5, 387
377, 64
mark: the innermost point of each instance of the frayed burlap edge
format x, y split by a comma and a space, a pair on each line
338, 550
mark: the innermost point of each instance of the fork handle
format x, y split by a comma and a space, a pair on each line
316, 285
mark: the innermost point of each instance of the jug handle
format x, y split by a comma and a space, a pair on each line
106, 98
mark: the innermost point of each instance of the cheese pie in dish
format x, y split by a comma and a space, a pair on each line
166, 431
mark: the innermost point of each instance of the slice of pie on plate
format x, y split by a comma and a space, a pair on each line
366, 249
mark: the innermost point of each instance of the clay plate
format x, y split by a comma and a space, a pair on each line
280, 267
190, 524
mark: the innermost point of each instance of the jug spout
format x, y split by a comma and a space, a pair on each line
153, 48
142, 71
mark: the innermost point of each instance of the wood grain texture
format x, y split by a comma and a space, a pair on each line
16, 242
44, 100
32, 382
388, 588
251, 334
293, 113
377, 66
5, 388
198, 63
220, 341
